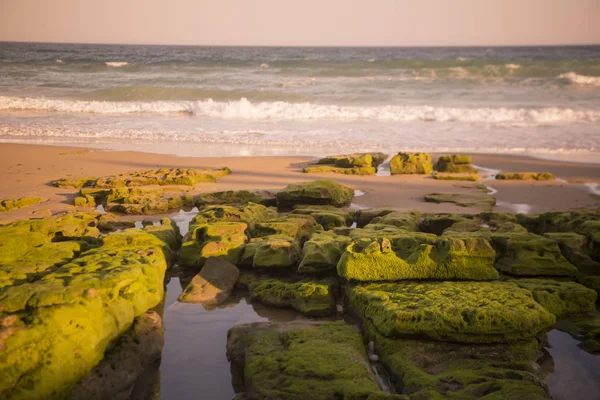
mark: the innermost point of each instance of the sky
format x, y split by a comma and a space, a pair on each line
303, 22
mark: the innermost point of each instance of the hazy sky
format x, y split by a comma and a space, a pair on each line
303, 22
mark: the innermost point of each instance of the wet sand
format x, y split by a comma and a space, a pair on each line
27, 170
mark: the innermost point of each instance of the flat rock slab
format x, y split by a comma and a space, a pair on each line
323, 192
467, 312
300, 360
213, 284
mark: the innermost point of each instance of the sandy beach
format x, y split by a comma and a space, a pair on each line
27, 170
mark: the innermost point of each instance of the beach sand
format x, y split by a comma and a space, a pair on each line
27, 170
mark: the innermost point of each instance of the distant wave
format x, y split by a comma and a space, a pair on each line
572, 77
512, 66
281, 110
116, 63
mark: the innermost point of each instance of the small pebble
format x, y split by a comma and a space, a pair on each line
374, 357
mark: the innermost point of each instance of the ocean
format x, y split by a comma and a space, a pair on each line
216, 101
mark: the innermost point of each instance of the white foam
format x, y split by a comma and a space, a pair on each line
59, 62
593, 187
512, 66
116, 63
572, 77
491, 190
264, 66
281, 110
488, 173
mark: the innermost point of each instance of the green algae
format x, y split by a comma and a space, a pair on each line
456, 164
273, 251
75, 182
417, 256
142, 201
525, 176
322, 252
300, 360
310, 297
328, 217
315, 169
411, 163
324, 192
449, 176
251, 214
233, 198
406, 220
12, 204
585, 329
558, 297
480, 200
218, 239
576, 249
465, 312
162, 176
348, 164
84, 201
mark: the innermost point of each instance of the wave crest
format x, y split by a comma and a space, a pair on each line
572, 77
116, 63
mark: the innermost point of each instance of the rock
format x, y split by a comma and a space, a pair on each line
328, 217
167, 232
111, 223
122, 365
365, 216
438, 370
350, 164
218, 239
11, 204
525, 176
411, 163
417, 256
558, 297
590, 281
576, 249
84, 201
310, 297
449, 176
76, 182
142, 201
527, 254
476, 200
213, 284
456, 164
274, 251
583, 328
465, 312
373, 357
162, 176
324, 192
299, 360
406, 220
251, 214
233, 198
438, 223
322, 252
315, 169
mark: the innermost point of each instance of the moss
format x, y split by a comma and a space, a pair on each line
590, 281
218, 239
142, 201
585, 329
84, 201
413, 256
436, 370
110, 222
466, 312
271, 252
405, 220
12, 204
323, 192
380, 231
560, 298
300, 360
527, 254
322, 252
163, 176
167, 232
479, 200
448, 176
456, 164
251, 214
77, 182
525, 176
355, 160
411, 163
314, 169
231, 197
328, 217
365, 216
310, 297
576, 249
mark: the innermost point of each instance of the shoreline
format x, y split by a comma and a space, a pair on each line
27, 170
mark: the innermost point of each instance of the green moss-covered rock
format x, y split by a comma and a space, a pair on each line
11, 204
467, 312
84, 201
315, 169
272, 251
162, 176
322, 252
75, 182
412, 256
251, 214
449, 176
379, 231
111, 222
218, 239
310, 297
323, 192
232, 197
481, 201
456, 164
560, 298
525, 176
591, 282
438, 223
349, 164
576, 249
406, 220
142, 201
328, 217
584, 328
299, 360
437, 370
365, 216
78, 310
411, 163
527, 254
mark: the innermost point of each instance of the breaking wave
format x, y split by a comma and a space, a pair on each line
281, 110
572, 77
116, 63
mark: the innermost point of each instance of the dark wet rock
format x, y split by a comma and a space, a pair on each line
213, 284
411, 163
11, 204
365, 216
350, 164
322, 252
323, 192
525, 176
111, 222
584, 328
465, 312
299, 360
576, 249
406, 220
481, 201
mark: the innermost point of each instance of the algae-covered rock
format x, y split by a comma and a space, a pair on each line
322, 252
218, 239
591, 282
323, 192
232, 197
315, 169
438, 223
142, 201
437, 370
213, 284
134, 351
310, 297
525, 176
411, 163
11, 204
576, 249
365, 216
75, 182
456, 164
84, 201
449, 176
111, 222
167, 232
560, 298
274, 251
482, 201
406, 220
328, 217
414, 256
527, 254
251, 214
162, 176
466, 312
585, 329
76, 310
349, 164
299, 360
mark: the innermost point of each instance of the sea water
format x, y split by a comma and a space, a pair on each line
215, 101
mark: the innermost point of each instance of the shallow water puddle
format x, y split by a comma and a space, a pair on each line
576, 373
384, 169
